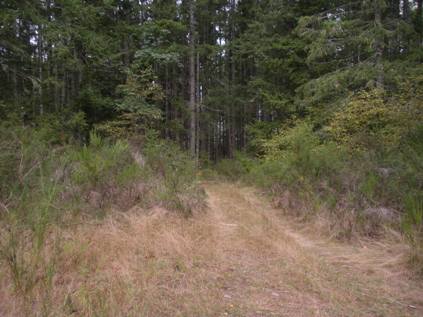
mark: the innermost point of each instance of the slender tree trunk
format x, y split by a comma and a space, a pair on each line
419, 20
40, 70
395, 8
167, 96
197, 112
192, 107
231, 79
15, 86
56, 88
64, 83
379, 44
406, 9
126, 53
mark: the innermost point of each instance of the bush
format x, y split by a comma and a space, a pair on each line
43, 183
236, 168
176, 185
367, 186
22, 151
268, 173
28, 207
370, 120
102, 167
412, 225
304, 155
360, 171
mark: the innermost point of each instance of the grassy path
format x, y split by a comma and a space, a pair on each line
240, 258
280, 271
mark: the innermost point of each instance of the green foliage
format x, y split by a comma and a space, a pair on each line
27, 203
177, 188
138, 109
303, 153
294, 154
323, 172
369, 186
259, 132
414, 213
99, 165
268, 173
236, 168
347, 52
64, 128
166, 159
140, 93
23, 152
368, 120
44, 186
412, 225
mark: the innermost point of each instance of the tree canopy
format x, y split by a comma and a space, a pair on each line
211, 75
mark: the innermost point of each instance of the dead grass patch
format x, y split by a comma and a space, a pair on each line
240, 258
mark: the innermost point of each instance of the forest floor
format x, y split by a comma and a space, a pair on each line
274, 266
241, 257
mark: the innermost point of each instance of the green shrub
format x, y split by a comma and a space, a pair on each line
45, 181
268, 173
23, 245
29, 193
367, 121
236, 168
230, 169
412, 224
369, 185
175, 176
303, 154
324, 173
22, 153
100, 162
345, 172
63, 128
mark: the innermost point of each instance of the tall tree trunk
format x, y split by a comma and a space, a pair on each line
197, 112
419, 19
166, 100
64, 84
56, 87
192, 107
379, 44
395, 8
15, 86
231, 62
406, 9
126, 53
40, 69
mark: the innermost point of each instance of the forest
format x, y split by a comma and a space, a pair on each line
164, 157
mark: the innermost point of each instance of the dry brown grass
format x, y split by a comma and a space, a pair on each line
240, 258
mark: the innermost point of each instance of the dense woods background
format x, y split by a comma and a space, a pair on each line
213, 75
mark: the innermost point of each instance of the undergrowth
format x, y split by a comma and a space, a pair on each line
46, 184
361, 175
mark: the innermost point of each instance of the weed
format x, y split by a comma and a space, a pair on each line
413, 226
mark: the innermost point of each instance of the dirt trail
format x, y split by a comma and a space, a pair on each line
239, 258
276, 270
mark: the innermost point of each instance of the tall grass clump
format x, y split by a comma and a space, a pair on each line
236, 168
28, 200
412, 224
47, 184
103, 172
175, 180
